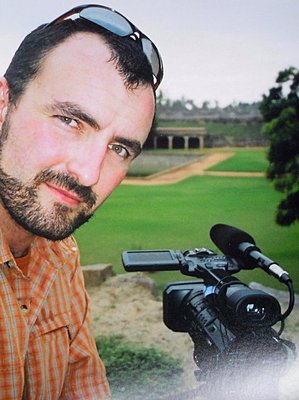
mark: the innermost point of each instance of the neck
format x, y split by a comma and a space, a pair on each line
18, 239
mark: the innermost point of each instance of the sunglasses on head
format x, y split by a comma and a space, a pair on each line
118, 24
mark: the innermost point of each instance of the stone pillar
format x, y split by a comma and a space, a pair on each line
170, 142
186, 140
201, 142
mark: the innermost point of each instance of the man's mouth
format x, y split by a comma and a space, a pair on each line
64, 196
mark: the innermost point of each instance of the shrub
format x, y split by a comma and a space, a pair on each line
136, 372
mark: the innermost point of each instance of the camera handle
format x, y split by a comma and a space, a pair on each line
251, 369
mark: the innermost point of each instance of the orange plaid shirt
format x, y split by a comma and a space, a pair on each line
47, 350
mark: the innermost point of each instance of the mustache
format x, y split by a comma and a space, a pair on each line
67, 182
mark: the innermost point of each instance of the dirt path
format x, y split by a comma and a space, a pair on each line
199, 167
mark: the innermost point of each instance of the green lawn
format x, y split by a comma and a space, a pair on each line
179, 216
244, 161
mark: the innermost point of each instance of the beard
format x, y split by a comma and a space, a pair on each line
22, 202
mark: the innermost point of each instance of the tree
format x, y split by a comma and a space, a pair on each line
280, 111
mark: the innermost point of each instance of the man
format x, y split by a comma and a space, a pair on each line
76, 106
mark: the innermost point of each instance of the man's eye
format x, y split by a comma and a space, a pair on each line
68, 121
119, 149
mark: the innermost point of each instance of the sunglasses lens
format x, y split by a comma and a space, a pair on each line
108, 19
151, 55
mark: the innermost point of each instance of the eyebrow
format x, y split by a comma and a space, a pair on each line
134, 145
75, 111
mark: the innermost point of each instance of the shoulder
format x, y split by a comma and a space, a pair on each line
66, 249
67, 255
68, 245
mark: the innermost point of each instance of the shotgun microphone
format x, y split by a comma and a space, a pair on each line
238, 244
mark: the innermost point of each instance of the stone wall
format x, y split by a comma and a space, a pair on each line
149, 163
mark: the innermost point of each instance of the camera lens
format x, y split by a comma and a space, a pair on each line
249, 307
255, 310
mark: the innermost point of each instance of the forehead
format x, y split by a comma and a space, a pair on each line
83, 56
79, 70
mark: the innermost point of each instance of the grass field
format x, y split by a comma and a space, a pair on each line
179, 216
244, 161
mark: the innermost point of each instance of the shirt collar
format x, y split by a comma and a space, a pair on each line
48, 249
5, 253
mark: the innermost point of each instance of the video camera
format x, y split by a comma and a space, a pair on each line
230, 323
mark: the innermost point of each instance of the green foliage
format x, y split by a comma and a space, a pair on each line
235, 129
136, 372
277, 99
280, 110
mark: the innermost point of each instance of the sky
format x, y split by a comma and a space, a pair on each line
213, 50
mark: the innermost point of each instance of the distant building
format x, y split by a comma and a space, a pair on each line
178, 138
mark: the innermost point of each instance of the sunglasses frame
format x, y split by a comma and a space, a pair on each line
136, 35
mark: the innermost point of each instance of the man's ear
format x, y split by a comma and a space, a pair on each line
4, 99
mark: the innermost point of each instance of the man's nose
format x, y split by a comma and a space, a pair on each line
85, 163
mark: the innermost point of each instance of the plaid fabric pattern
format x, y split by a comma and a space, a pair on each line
47, 350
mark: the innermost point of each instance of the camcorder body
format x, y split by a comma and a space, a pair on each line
238, 353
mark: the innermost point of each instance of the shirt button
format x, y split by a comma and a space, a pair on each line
24, 309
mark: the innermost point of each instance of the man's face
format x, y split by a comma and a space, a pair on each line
70, 140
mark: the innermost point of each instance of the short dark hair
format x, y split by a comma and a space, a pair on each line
126, 54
